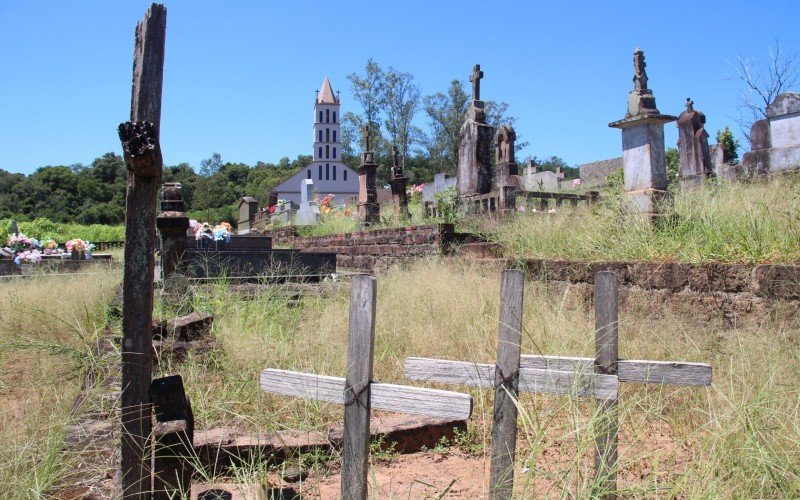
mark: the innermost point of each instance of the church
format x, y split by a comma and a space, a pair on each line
329, 174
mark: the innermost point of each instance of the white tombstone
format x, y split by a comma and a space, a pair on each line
308, 213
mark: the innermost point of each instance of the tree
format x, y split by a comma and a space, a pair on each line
401, 101
368, 91
446, 113
763, 81
729, 144
672, 160
210, 166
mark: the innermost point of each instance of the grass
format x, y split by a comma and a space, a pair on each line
47, 335
740, 437
725, 222
43, 228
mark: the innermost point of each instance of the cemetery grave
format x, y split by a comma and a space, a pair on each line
268, 385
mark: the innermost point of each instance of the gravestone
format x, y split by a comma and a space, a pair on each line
505, 170
440, 183
369, 211
172, 224
474, 171
248, 208
546, 181
398, 183
642, 128
693, 151
720, 163
308, 213
14, 229
775, 141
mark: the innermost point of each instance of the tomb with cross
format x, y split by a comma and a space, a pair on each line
368, 209
596, 378
474, 170
359, 394
398, 182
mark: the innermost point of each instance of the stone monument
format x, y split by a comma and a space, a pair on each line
368, 209
505, 169
642, 128
775, 141
695, 156
398, 182
172, 224
474, 171
14, 229
308, 213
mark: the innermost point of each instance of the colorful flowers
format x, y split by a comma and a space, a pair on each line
19, 243
415, 189
78, 245
220, 232
28, 257
576, 182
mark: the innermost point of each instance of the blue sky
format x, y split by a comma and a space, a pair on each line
240, 77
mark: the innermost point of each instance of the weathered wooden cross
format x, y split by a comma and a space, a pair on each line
359, 394
584, 377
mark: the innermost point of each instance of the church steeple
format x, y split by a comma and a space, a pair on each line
325, 94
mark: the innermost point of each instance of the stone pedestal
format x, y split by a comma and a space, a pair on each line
474, 171
645, 171
368, 209
693, 150
400, 197
172, 225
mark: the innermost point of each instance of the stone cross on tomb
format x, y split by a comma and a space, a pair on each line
359, 394
596, 378
639, 73
475, 78
367, 135
689, 104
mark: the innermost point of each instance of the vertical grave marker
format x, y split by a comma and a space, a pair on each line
597, 378
142, 152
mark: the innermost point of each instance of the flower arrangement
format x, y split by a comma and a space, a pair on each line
20, 243
28, 257
79, 245
326, 205
50, 247
415, 189
220, 232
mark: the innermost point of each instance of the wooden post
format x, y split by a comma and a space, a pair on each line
360, 349
606, 357
142, 151
506, 383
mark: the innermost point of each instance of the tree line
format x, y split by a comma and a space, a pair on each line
389, 99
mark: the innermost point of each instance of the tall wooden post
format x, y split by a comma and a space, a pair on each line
360, 349
142, 151
506, 383
606, 357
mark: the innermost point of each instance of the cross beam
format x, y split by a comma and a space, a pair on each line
475, 78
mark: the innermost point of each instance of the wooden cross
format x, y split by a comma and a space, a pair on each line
359, 394
475, 78
596, 377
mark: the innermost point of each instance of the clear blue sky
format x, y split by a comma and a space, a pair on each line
240, 76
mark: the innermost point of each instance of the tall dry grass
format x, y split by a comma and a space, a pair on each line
723, 222
47, 333
738, 438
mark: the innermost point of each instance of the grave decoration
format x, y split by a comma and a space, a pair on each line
78, 249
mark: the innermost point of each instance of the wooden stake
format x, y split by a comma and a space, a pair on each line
143, 159
506, 383
360, 349
606, 356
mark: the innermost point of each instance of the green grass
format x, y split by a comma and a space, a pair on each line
41, 229
725, 222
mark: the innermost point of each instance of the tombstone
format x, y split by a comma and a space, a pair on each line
695, 157
248, 208
172, 225
398, 183
474, 171
720, 163
14, 229
642, 128
369, 211
308, 213
440, 183
775, 141
545, 181
506, 165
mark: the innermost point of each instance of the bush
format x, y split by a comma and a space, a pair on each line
43, 228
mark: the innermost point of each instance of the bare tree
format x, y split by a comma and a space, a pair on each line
763, 82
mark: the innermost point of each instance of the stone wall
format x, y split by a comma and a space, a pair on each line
376, 249
596, 173
727, 292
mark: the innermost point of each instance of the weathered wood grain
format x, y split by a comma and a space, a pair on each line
506, 383
530, 380
139, 261
629, 370
387, 397
606, 355
356, 393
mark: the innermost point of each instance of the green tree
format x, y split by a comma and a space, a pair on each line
401, 99
446, 113
673, 162
729, 144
